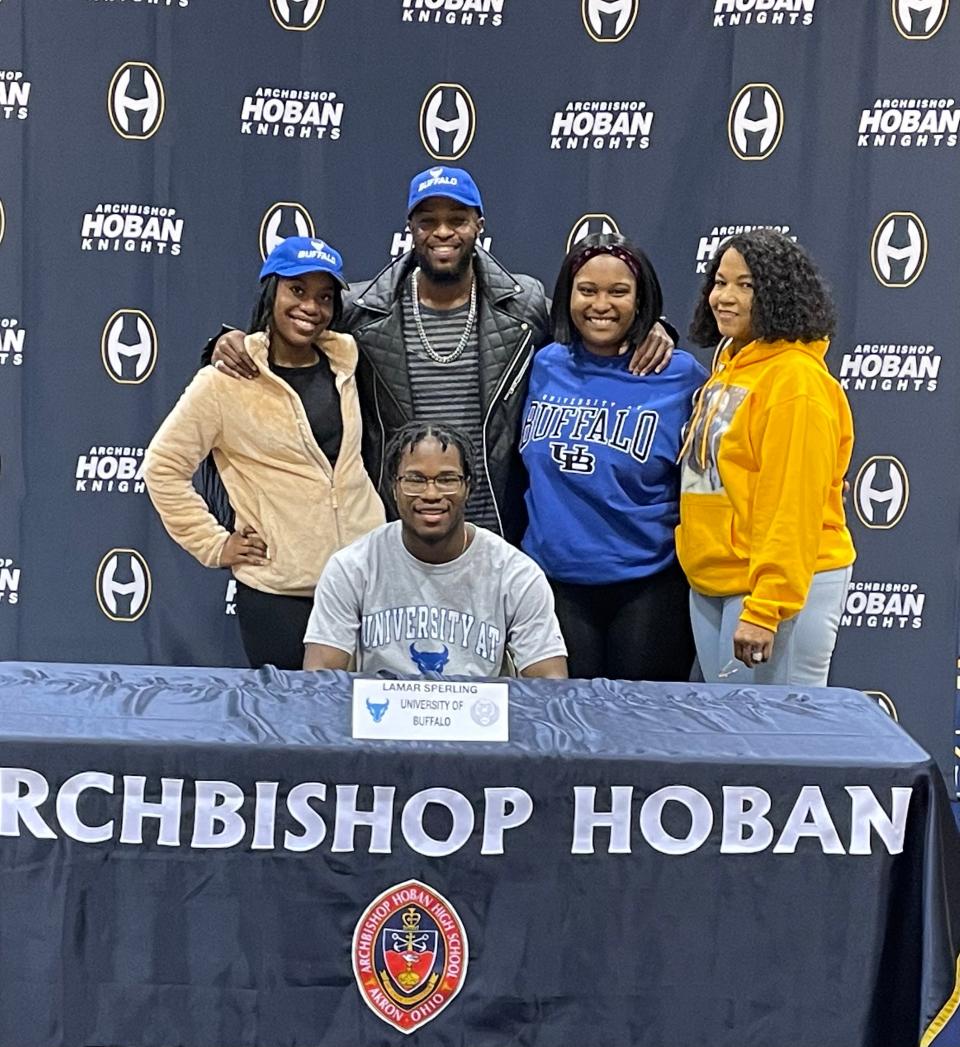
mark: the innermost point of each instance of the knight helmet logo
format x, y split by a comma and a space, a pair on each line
919, 19
282, 219
135, 100
378, 709
297, 15
430, 661
588, 224
608, 21
123, 585
128, 347
900, 239
886, 703
410, 955
881, 492
448, 121
755, 123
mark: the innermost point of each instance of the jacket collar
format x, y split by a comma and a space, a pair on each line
339, 349
494, 282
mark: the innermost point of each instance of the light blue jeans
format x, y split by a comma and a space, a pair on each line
802, 648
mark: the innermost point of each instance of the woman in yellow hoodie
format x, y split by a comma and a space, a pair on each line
762, 535
287, 447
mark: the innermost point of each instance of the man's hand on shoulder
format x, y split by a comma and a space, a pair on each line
231, 358
654, 352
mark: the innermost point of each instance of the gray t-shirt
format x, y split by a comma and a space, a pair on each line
397, 613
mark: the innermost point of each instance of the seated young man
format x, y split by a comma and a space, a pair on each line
430, 592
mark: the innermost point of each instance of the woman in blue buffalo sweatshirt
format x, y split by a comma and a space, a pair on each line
600, 446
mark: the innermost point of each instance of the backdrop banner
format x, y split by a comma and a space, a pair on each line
152, 150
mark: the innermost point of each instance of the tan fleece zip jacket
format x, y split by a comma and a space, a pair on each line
278, 479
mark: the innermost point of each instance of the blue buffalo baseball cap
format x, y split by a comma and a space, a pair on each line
304, 254
444, 181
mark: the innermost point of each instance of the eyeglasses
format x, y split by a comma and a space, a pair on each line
445, 483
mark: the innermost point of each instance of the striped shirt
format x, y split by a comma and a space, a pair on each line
450, 393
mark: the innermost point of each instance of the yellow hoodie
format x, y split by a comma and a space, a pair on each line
278, 479
761, 494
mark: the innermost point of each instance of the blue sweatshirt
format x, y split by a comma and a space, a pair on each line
600, 447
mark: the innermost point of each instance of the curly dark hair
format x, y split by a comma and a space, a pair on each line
649, 294
790, 299
263, 307
408, 436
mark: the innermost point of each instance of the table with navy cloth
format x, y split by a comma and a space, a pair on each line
185, 859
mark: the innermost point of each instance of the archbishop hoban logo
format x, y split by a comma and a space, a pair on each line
9, 581
734, 13
454, 12
919, 19
409, 955
12, 337
448, 121
282, 219
297, 15
588, 224
608, 21
123, 585
755, 123
881, 492
14, 95
898, 251
128, 347
135, 100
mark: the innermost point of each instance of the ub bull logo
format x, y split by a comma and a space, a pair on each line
128, 347
135, 100
448, 121
919, 19
282, 219
123, 585
378, 710
898, 251
297, 15
409, 955
755, 123
608, 21
430, 661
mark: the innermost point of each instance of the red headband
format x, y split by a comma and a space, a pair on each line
618, 252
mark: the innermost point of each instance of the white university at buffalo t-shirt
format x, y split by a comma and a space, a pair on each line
405, 616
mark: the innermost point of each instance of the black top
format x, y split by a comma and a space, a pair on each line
316, 387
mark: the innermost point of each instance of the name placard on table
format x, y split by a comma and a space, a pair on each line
431, 710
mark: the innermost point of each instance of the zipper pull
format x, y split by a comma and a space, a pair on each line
333, 497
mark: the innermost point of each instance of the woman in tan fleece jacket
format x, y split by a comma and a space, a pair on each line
287, 447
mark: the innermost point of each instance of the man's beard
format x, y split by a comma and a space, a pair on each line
444, 276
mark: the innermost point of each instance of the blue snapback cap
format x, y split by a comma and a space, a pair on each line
304, 254
444, 181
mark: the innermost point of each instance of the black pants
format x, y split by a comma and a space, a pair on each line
272, 627
633, 630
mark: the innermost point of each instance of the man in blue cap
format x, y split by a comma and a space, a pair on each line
446, 334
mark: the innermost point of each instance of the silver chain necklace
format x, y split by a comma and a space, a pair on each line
418, 320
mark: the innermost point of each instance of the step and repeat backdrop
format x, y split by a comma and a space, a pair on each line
151, 151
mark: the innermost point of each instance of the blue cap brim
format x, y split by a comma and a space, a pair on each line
299, 268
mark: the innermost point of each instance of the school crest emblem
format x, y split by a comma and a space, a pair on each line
409, 955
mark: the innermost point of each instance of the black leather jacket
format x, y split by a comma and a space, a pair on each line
512, 322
